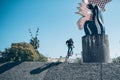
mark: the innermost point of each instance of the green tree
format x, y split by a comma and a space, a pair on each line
34, 40
116, 60
22, 52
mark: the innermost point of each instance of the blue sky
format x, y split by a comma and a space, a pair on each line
57, 22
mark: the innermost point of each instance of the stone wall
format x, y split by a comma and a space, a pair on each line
59, 71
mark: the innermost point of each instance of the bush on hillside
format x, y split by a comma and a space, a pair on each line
22, 52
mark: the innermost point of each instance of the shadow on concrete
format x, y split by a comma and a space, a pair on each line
44, 67
7, 66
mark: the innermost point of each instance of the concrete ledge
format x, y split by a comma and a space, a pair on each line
59, 71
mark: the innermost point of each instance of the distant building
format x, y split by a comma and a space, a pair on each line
61, 59
52, 59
